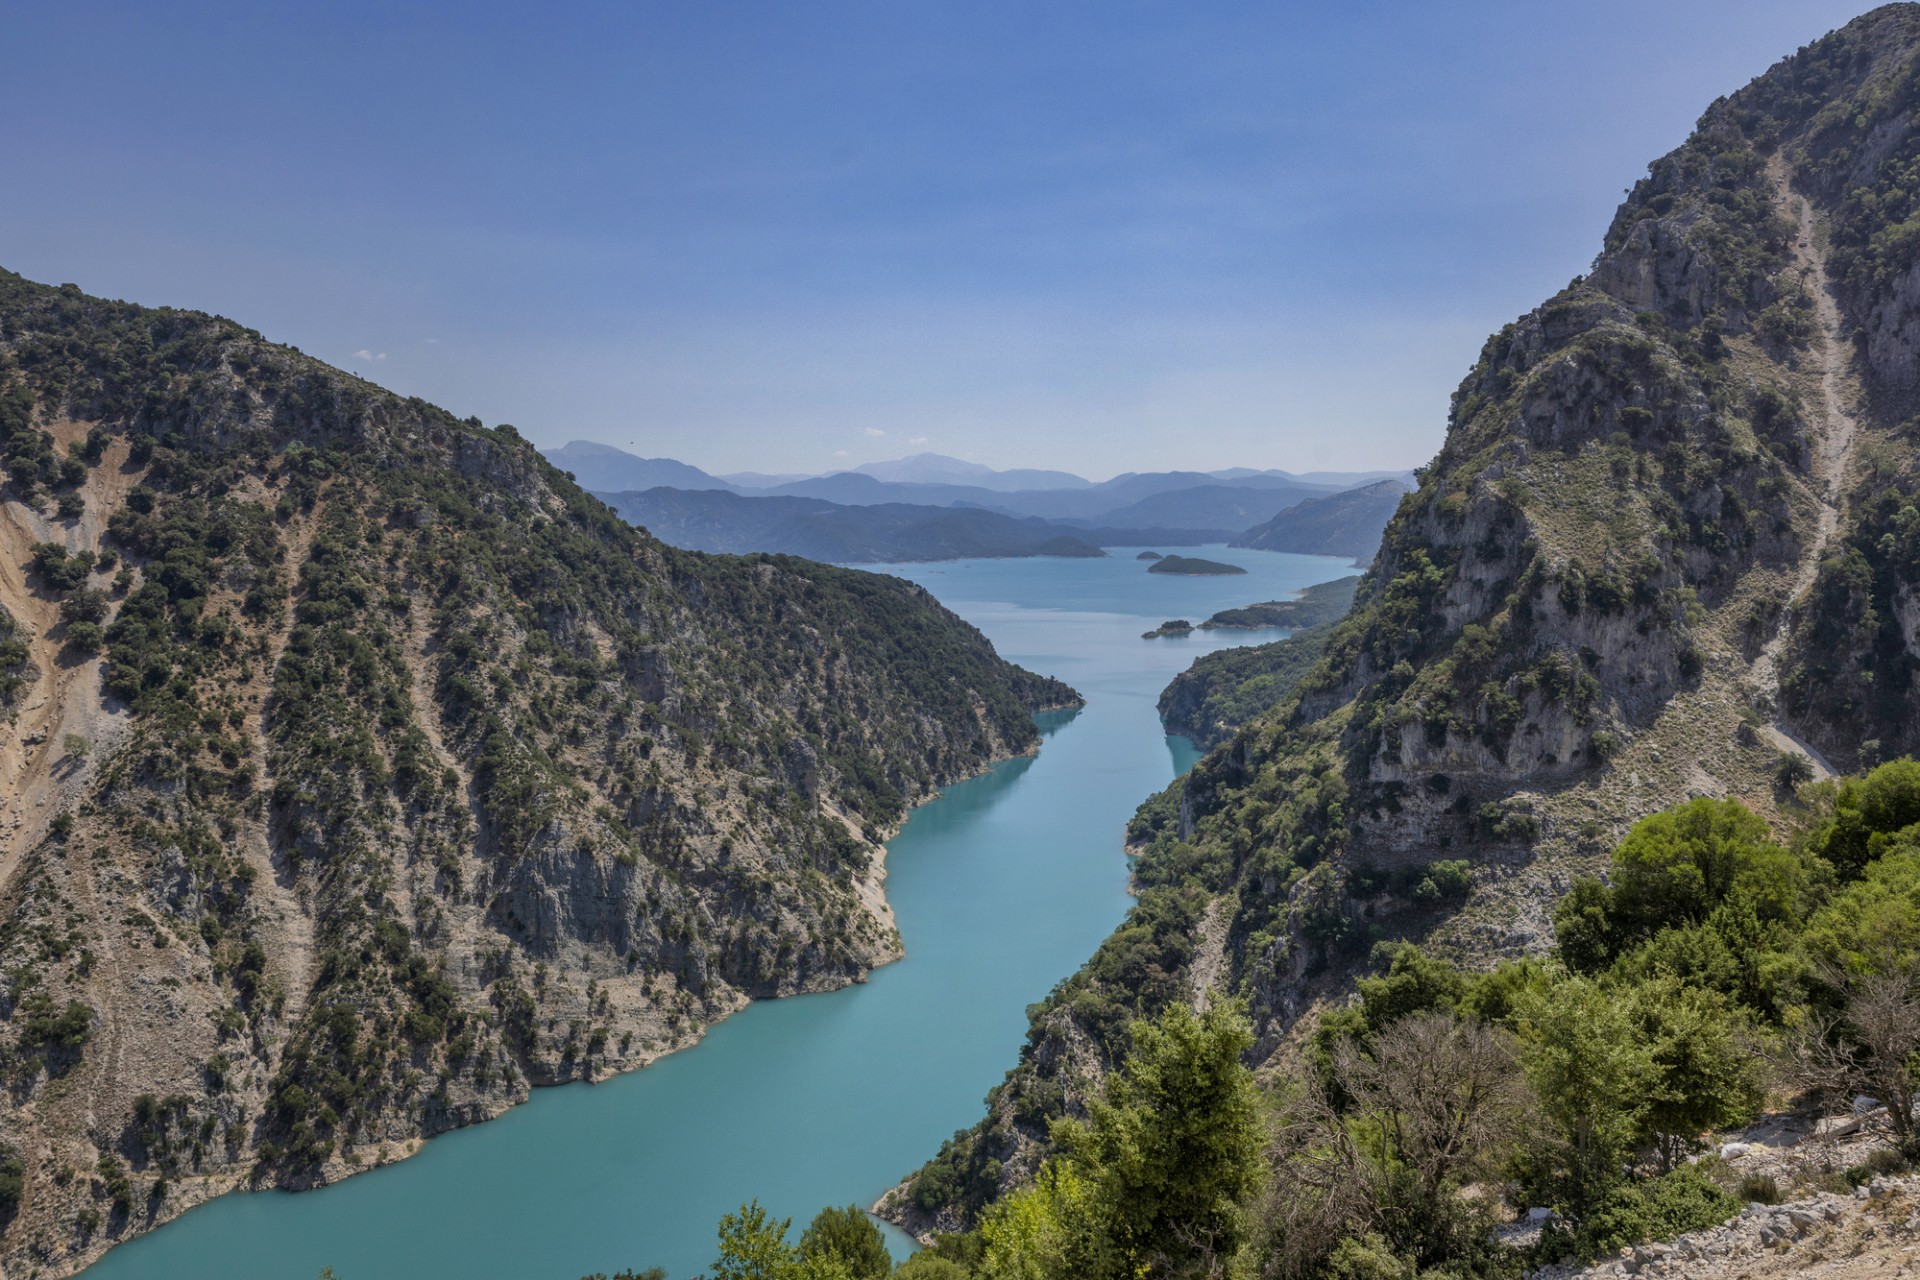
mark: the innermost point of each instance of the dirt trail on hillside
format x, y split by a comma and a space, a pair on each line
39, 776
1209, 969
1834, 435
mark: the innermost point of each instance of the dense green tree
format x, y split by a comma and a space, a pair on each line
1707, 1073
1868, 815
1154, 1180
1172, 1143
754, 1247
1868, 925
849, 1236
1594, 1077
924, 1266
1051, 1229
1676, 866
1706, 863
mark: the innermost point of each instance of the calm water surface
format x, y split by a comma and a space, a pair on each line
1002, 886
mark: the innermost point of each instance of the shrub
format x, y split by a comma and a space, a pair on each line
1885, 1161
1659, 1209
87, 637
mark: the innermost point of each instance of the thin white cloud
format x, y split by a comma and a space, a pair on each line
365, 354
841, 453
875, 432
918, 440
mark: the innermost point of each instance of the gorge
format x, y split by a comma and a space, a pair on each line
1000, 885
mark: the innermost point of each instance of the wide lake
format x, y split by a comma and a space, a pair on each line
1001, 886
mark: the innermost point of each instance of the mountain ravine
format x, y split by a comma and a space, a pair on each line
359, 771
1670, 536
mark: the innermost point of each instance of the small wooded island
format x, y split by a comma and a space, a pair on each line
1148, 555
1192, 566
1171, 627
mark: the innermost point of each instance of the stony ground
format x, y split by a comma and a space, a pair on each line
1875, 1231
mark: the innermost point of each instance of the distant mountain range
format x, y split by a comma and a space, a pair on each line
820, 530
601, 466
938, 468
909, 506
1341, 524
881, 533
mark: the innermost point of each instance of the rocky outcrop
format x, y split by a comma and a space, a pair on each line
1873, 1231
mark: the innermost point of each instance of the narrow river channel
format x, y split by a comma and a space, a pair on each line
1001, 886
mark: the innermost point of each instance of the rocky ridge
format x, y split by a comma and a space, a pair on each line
359, 772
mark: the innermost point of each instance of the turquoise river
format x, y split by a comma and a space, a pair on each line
1001, 886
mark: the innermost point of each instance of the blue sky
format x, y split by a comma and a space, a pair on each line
798, 236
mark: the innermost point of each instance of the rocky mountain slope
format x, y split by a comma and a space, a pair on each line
358, 771
1666, 539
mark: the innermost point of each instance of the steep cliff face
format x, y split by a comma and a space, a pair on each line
359, 771
1585, 610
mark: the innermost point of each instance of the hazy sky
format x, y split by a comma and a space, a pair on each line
1097, 236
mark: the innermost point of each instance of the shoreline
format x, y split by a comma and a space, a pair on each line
193, 1192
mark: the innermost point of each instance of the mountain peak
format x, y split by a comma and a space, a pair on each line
940, 468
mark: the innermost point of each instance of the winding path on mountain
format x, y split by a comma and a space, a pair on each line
1835, 432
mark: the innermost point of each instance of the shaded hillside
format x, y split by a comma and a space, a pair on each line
1342, 524
1848, 673
882, 534
1227, 689
360, 771
1220, 506
1223, 691
1089, 504
1578, 616
1319, 605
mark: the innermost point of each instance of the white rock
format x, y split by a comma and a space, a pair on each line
1837, 1127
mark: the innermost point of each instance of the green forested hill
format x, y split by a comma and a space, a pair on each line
1660, 548
359, 770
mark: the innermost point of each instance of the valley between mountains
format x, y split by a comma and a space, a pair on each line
1663, 554
364, 770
